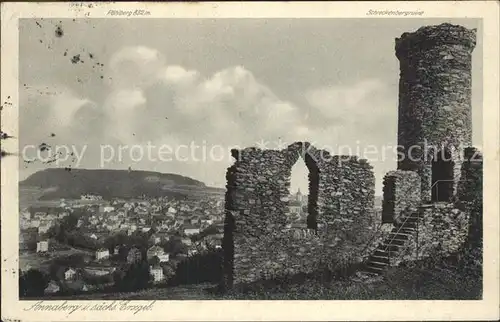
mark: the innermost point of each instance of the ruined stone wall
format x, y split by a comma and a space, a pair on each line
401, 191
448, 228
442, 230
257, 240
470, 195
434, 94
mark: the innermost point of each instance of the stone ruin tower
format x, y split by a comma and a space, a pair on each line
434, 121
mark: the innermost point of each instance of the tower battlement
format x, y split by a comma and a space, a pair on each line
431, 36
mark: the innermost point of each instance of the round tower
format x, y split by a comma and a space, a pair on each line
434, 120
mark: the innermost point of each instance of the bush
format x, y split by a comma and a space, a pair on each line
136, 277
32, 283
200, 268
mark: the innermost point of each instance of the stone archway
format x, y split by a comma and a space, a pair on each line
300, 148
257, 243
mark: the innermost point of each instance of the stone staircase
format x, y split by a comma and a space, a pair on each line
380, 258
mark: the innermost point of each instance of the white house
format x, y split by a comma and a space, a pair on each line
62, 215
52, 288
69, 274
35, 223
42, 246
108, 209
155, 251
156, 240
102, 254
191, 231
172, 210
45, 226
164, 257
157, 273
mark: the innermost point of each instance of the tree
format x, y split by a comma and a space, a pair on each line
32, 283
210, 230
200, 268
175, 246
137, 277
70, 222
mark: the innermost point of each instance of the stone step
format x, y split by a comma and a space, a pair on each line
372, 269
377, 264
403, 230
407, 225
411, 219
381, 253
400, 235
395, 241
408, 233
407, 230
380, 259
391, 248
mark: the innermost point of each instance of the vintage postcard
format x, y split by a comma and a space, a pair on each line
250, 161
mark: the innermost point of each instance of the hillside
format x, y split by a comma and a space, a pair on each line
61, 183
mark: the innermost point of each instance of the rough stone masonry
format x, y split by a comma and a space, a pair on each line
434, 97
401, 193
259, 241
434, 110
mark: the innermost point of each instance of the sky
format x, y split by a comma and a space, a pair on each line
182, 92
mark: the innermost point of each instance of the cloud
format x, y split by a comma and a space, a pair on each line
125, 100
150, 101
354, 119
162, 104
177, 75
64, 107
122, 107
344, 102
50, 108
135, 67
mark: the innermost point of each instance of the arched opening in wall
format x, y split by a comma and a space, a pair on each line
302, 205
442, 176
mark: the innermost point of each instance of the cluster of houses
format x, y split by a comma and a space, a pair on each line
97, 269
188, 216
41, 220
99, 219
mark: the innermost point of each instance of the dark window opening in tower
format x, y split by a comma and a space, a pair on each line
442, 177
303, 193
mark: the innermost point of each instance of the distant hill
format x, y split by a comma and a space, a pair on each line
60, 183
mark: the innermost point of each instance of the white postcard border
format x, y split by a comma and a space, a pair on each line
13, 309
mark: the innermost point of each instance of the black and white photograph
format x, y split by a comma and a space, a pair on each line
248, 158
